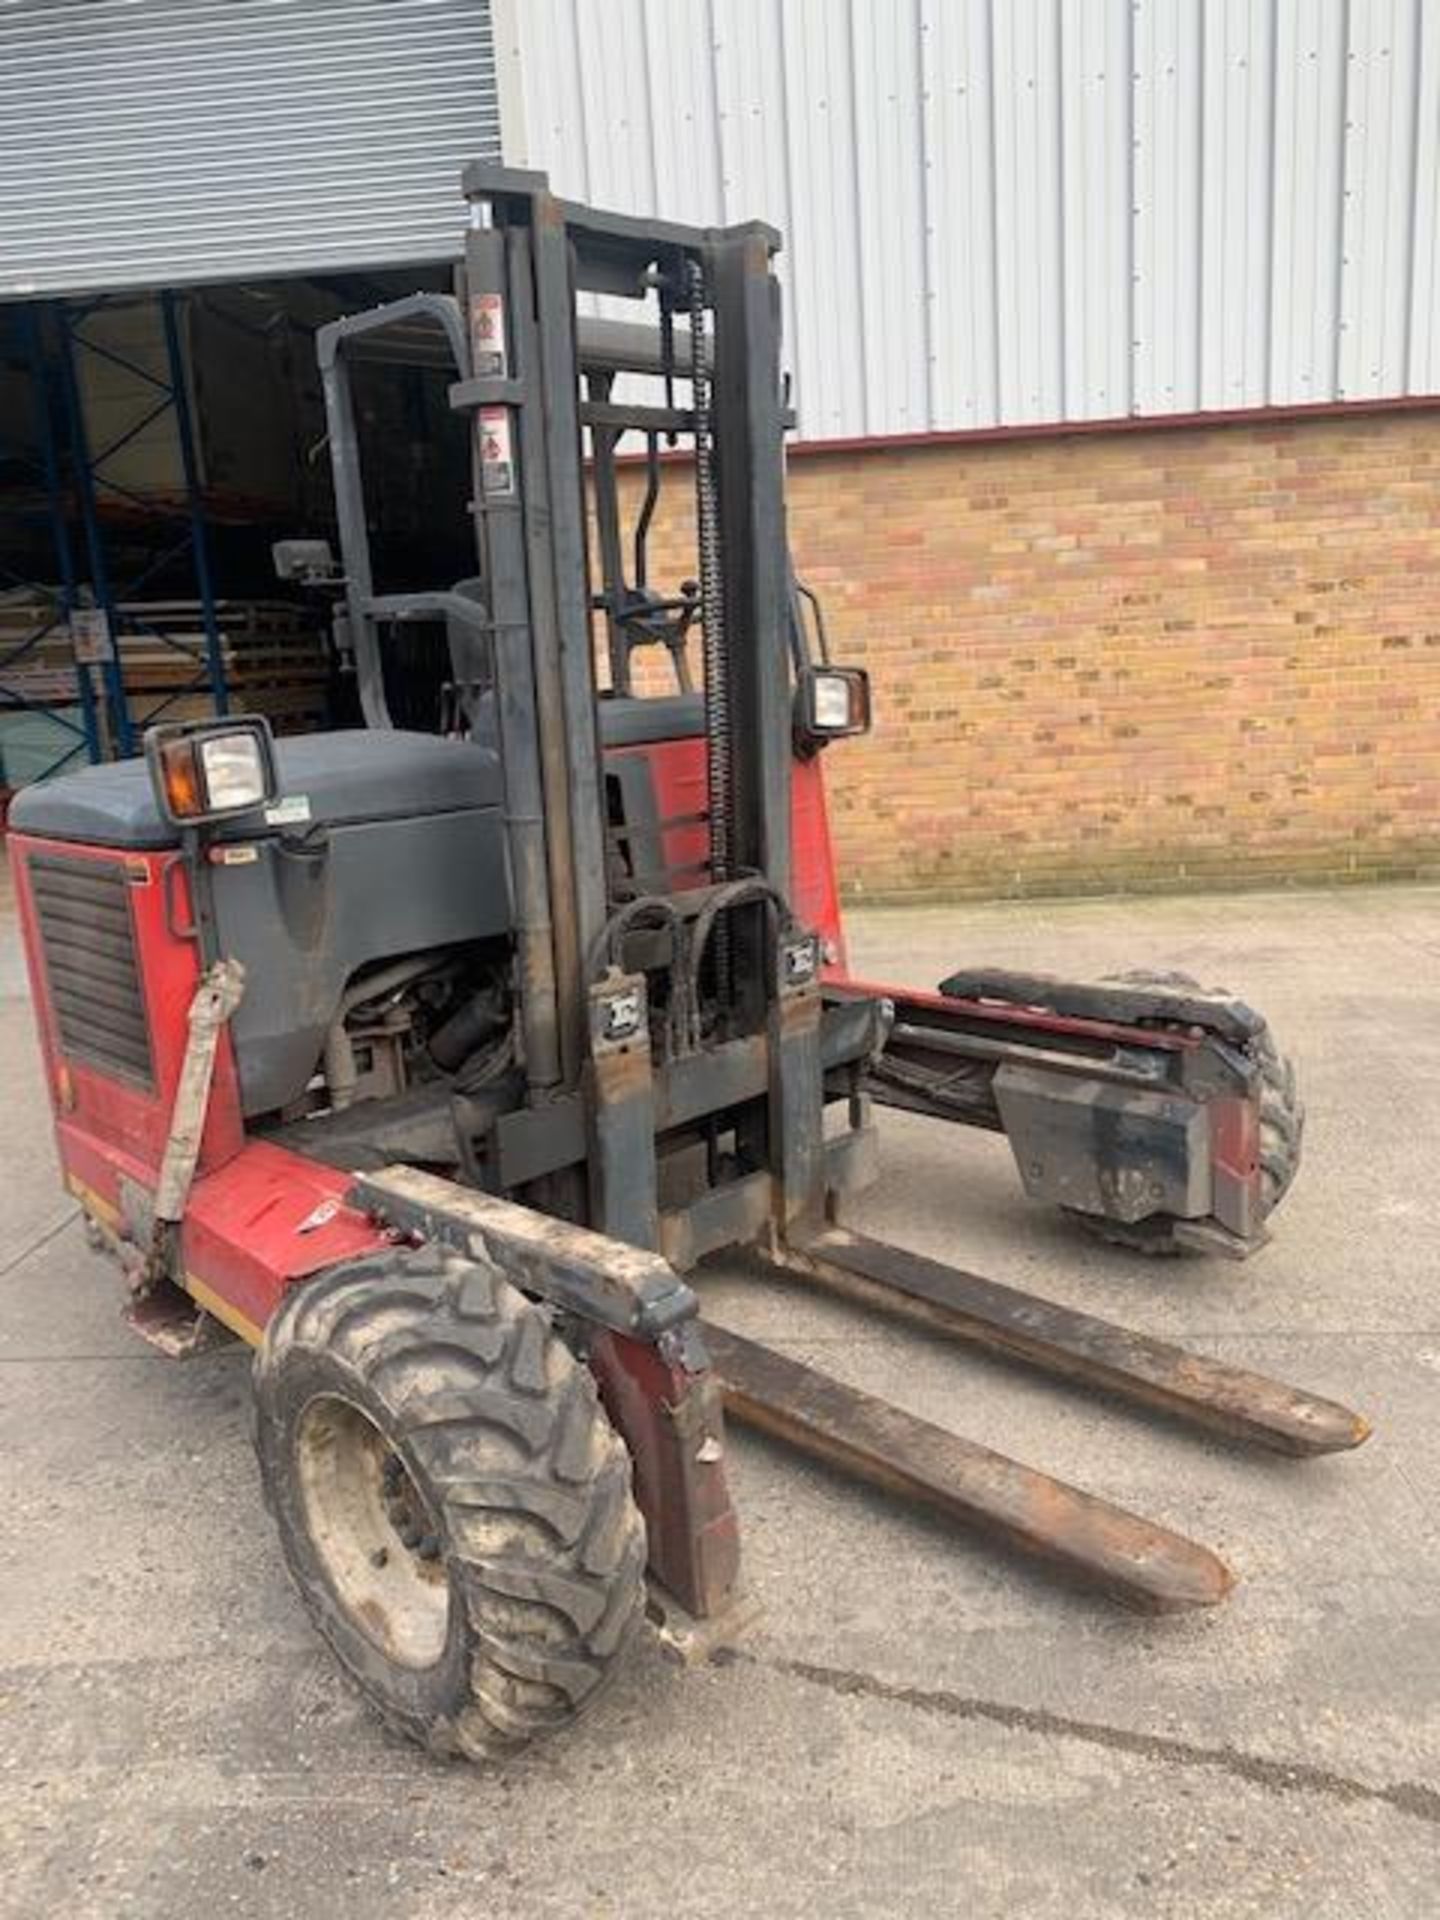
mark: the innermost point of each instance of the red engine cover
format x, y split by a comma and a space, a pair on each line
124, 1112
258, 1216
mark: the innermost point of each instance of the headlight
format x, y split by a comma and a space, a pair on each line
234, 771
831, 702
210, 769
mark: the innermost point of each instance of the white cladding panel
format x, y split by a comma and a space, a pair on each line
174, 141
1008, 211
1236, 131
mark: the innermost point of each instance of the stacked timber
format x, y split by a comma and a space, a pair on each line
37, 658
273, 660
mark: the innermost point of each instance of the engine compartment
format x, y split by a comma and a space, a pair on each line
370, 901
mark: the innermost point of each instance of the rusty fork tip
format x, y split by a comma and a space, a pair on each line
1342, 1430
1206, 1581
1318, 1427
1226, 1582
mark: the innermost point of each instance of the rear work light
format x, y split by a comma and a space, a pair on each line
211, 769
831, 703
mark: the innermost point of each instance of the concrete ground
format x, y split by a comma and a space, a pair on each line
918, 1726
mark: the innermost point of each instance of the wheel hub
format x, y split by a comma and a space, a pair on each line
374, 1531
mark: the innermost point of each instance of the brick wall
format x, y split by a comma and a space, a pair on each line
1150, 659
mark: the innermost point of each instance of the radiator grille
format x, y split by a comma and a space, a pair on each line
83, 909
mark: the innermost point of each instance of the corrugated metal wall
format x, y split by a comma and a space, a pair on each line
1009, 211
174, 141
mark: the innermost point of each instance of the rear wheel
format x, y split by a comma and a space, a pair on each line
453, 1504
1282, 1129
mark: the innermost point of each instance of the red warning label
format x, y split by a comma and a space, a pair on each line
487, 335
497, 466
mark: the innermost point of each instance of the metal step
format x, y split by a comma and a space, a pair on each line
1077, 1346
1136, 1562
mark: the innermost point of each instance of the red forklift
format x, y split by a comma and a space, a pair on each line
436, 1064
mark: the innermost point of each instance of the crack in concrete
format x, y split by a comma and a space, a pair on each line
42, 1239
1410, 1797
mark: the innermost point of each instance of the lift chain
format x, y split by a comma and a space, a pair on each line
712, 604
719, 755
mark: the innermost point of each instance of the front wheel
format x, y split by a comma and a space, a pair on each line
1282, 1132
452, 1502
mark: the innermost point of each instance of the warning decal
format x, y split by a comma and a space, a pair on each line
90, 635
487, 335
497, 467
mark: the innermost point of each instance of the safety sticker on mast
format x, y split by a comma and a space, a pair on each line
487, 336
497, 468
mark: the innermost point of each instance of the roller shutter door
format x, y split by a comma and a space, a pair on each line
150, 142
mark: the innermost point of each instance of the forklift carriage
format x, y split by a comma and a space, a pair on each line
430, 1063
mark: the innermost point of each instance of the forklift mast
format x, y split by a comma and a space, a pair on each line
527, 258
734, 968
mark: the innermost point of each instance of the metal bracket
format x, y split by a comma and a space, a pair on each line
604, 1280
216, 998
622, 1116
695, 1642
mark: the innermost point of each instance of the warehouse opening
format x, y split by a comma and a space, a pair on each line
162, 422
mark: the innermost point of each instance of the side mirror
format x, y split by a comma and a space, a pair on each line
208, 770
309, 561
830, 703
